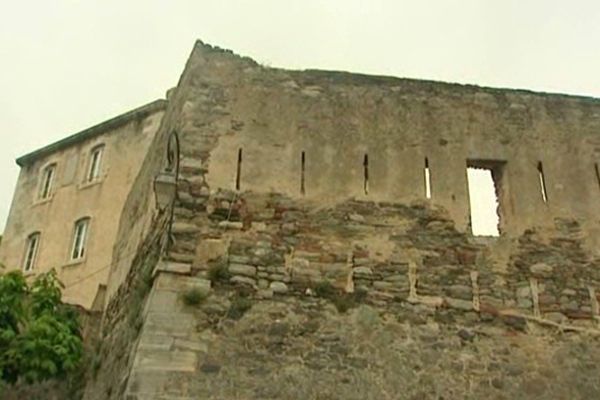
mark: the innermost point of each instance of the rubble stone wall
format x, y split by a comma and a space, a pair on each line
364, 301
337, 292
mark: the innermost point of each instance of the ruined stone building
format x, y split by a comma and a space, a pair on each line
319, 245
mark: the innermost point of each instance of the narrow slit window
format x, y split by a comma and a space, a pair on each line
239, 170
484, 203
302, 173
597, 174
427, 175
366, 173
31, 250
47, 181
542, 178
95, 163
80, 236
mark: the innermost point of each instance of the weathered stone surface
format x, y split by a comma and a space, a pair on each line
278, 287
167, 361
388, 295
541, 269
174, 267
231, 225
242, 269
184, 228
243, 280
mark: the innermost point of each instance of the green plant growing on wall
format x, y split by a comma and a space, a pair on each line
239, 306
219, 273
341, 300
194, 296
39, 335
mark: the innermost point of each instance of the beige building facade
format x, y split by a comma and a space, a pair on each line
68, 200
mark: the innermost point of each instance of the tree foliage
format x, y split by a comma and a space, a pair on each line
39, 335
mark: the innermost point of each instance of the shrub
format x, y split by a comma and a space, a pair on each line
39, 335
219, 273
194, 296
239, 306
341, 300
325, 290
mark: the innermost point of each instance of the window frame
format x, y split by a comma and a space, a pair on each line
94, 170
31, 252
47, 182
78, 249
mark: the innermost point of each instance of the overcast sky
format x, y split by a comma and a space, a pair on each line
67, 65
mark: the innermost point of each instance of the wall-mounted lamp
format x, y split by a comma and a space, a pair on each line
165, 188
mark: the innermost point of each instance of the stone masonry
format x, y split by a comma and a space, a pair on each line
294, 274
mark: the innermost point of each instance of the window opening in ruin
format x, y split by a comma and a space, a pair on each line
484, 187
483, 202
366, 173
303, 168
540, 169
597, 174
31, 251
239, 170
80, 235
47, 181
427, 179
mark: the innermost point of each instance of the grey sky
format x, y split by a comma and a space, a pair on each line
66, 65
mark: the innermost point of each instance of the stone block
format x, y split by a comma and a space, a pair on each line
180, 283
541, 269
381, 285
262, 283
264, 294
239, 259
167, 361
163, 301
174, 267
233, 225
175, 324
184, 228
192, 345
242, 269
363, 271
307, 255
149, 341
396, 278
243, 280
278, 287
459, 304
524, 292
460, 292
556, 317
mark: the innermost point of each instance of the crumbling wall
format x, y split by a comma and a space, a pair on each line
275, 116
364, 300
337, 292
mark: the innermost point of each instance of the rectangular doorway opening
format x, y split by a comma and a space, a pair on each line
484, 178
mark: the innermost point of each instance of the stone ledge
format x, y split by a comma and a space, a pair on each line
173, 267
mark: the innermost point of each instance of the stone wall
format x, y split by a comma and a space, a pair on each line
364, 301
273, 116
342, 293
109, 363
390, 252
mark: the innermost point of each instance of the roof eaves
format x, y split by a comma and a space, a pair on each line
93, 131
